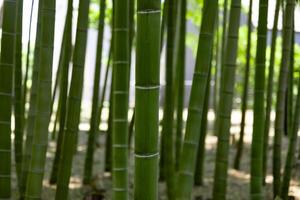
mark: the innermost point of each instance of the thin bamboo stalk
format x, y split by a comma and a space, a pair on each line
18, 107
73, 102
256, 171
240, 144
200, 80
281, 93
65, 57
93, 132
225, 105
269, 99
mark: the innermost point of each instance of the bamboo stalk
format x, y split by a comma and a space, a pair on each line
65, 57
269, 99
6, 87
31, 117
18, 107
240, 144
73, 103
120, 100
147, 100
225, 105
200, 80
256, 171
281, 93
93, 132
40, 135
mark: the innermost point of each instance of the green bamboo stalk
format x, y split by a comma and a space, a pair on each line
240, 144
169, 105
180, 68
282, 87
24, 90
199, 171
65, 57
40, 135
88, 165
270, 83
200, 80
73, 103
163, 23
108, 142
56, 121
18, 107
289, 92
31, 117
147, 100
225, 105
164, 19
290, 159
6, 87
256, 181
120, 100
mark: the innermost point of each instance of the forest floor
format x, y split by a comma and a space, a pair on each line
238, 181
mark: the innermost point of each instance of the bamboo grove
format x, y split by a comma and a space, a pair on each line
178, 100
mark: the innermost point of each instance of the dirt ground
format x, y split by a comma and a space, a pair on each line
238, 181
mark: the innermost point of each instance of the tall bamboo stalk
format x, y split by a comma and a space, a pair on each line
225, 103
24, 90
168, 119
290, 159
240, 144
180, 72
281, 93
88, 165
256, 181
18, 107
6, 87
40, 135
30, 122
147, 100
200, 80
120, 100
199, 172
73, 103
65, 57
270, 88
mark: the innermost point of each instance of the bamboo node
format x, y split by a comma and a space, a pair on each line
5, 122
154, 87
5, 94
120, 145
143, 12
120, 169
116, 189
146, 155
5, 150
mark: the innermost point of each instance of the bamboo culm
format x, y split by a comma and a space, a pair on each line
281, 93
73, 103
256, 171
18, 108
64, 62
200, 79
88, 165
31, 116
270, 83
225, 105
240, 144
40, 134
6, 87
147, 100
